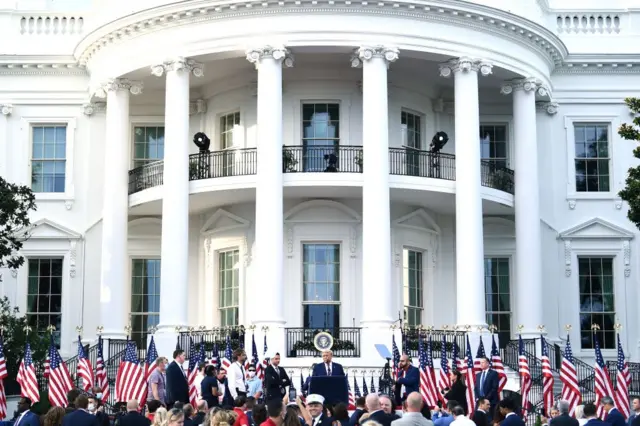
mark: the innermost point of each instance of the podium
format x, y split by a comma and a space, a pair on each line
334, 389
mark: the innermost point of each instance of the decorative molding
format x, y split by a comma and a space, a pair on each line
353, 243
94, 107
72, 258
434, 247
397, 255
550, 108
618, 204
42, 69
178, 64
6, 109
567, 258
14, 273
572, 204
290, 242
207, 253
596, 229
279, 53
403, 221
68, 204
352, 215
626, 247
527, 84
39, 228
465, 64
115, 84
246, 250
595, 67
237, 222
366, 53
199, 106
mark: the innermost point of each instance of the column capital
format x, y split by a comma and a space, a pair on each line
279, 53
550, 108
529, 84
116, 84
6, 109
366, 53
178, 64
465, 64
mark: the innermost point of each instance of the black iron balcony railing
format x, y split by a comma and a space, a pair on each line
346, 342
453, 341
634, 372
214, 341
497, 177
413, 162
145, 177
325, 158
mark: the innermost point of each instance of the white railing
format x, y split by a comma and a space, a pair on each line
53, 24
581, 23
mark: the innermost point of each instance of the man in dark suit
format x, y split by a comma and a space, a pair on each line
487, 382
133, 417
80, 417
613, 416
198, 419
177, 385
328, 367
376, 413
408, 380
507, 408
25, 416
481, 415
276, 379
360, 410
564, 418
635, 410
591, 414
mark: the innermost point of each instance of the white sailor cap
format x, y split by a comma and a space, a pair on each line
314, 398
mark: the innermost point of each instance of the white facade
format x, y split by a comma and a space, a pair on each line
97, 80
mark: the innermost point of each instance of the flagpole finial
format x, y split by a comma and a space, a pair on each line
190, 330
79, 330
202, 328
595, 327
127, 330
568, 327
393, 327
492, 328
468, 328
520, 328
541, 329
27, 329
153, 329
99, 330
265, 328
480, 329
617, 326
50, 328
178, 329
252, 327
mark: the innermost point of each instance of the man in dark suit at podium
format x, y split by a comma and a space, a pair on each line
327, 367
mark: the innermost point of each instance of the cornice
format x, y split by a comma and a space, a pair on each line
41, 68
595, 68
469, 15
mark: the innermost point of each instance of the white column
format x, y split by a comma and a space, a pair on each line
269, 232
528, 285
469, 235
174, 279
114, 278
5, 112
377, 298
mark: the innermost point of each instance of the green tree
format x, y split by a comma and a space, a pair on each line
631, 192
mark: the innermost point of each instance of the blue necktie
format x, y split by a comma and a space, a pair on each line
482, 382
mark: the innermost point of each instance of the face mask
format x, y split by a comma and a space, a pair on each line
252, 374
91, 407
99, 395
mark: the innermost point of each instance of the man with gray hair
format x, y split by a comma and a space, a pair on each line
413, 416
564, 419
612, 415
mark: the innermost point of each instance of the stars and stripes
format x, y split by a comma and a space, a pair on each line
26, 377
365, 390
525, 377
396, 358
265, 360
444, 382
194, 362
149, 367
302, 383
226, 361
428, 388
603, 386
102, 381
84, 369
569, 378
59, 378
352, 399
623, 381
215, 356
498, 366
356, 388
480, 354
470, 379
254, 358
3, 375
457, 364
47, 361
373, 387
130, 378
547, 378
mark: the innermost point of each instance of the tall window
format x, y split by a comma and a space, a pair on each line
493, 144
592, 157
320, 135
411, 131
228, 124
229, 284
497, 295
321, 285
48, 158
597, 301
44, 295
148, 144
412, 282
145, 298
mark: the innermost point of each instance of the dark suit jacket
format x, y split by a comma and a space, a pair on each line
564, 420
355, 417
596, 422
457, 393
177, 386
79, 418
30, 419
321, 369
480, 418
615, 418
380, 417
410, 380
490, 388
198, 418
275, 384
325, 420
133, 418
514, 420
189, 422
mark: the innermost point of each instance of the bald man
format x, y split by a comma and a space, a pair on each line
413, 415
376, 413
133, 416
408, 379
327, 367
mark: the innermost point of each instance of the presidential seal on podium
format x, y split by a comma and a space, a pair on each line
323, 341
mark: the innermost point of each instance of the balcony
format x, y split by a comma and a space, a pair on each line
346, 342
321, 159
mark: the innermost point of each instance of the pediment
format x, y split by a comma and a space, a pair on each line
419, 219
597, 228
48, 229
222, 220
322, 211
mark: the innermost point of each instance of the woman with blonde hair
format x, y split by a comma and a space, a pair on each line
579, 413
222, 418
175, 417
54, 416
160, 419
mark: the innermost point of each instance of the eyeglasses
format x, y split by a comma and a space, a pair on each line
252, 371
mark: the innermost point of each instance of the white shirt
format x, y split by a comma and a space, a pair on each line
20, 418
328, 366
462, 421
235, 379
197, 382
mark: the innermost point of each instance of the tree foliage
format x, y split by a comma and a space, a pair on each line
16, 202
631, 192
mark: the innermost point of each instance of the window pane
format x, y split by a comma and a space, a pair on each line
148, 144
229, 284
411, 130
592, 142
498, 295
145, 297
44, 300
320, 135
48, 155
493, 144
321, 283
597, 302
412, 285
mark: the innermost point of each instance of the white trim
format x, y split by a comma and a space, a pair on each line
26, 127
501, 120
240, 223
354, 216
614, 123
576, 232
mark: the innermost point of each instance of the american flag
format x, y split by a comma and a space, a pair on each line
396, 357
84, 369
215, 357
547, 378
102, 381
59, 379
194, 362
498, 367
47, 361
373, 388
149, 367
569, 378
3, 375
26, 377
525, 377
603, 386
301, 382
365, 390
480, 353
456, 363
623, 381
228, 354
428, 387
254, 358
356, 388
352, 399
130, 379
444, 382
265, 360
470, 381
